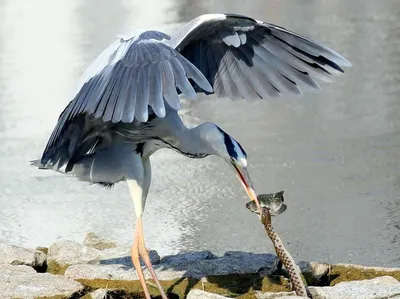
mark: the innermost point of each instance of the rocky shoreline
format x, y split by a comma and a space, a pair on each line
99, 268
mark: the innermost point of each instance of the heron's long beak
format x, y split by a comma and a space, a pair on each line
244, 178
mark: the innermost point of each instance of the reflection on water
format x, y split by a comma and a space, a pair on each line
335, 153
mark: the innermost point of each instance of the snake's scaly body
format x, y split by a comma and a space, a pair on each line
284, 256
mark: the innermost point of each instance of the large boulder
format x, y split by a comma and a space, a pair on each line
15, 255
24, 282
190, 264
376, 288
383, 287
65, 253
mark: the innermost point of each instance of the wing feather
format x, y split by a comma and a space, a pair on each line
128, 114
155, 89
259, 59
114, 95
169, 91
142, 100
181, 80
123, 96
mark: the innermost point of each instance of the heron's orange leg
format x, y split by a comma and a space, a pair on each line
136, 261
139, 249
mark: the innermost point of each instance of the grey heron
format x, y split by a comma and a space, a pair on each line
126, 105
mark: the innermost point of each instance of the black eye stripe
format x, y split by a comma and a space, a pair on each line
230, 146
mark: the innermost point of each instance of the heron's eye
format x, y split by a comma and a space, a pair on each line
233, 160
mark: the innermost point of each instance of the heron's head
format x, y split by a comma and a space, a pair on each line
226, 147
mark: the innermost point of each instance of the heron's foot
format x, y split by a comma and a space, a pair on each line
136, 263
139, 250
144, 254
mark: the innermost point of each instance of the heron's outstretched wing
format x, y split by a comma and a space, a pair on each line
245, 58
133, 73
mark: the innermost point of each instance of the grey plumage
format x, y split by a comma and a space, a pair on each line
143, 73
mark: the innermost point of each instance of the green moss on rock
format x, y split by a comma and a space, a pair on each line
55, 268
340, 273
43, 249
226, 285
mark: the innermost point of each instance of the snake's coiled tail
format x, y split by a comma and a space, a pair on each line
297, 283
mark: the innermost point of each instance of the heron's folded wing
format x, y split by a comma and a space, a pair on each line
245, 58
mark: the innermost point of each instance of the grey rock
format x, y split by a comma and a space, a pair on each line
281, 295
17, 269
98, 242
368, 268
25, 282
199, 294
111, 272
64, 253
192, 264
183, 259
122, 256
232, 263
107, 294
117, 272
313, 270
377, 288
15, 255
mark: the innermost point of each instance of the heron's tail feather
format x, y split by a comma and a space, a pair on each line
38, 164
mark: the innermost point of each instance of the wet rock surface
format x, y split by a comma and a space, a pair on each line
100, 268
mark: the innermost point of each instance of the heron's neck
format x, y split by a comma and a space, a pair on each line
189, 142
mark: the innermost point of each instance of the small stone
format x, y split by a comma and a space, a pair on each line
15, 255
107, 294
199, 294
98, 242
377, 288
43, 249
25, 282
313, 272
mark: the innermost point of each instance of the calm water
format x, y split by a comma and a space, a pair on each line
336, 154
